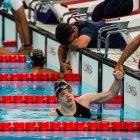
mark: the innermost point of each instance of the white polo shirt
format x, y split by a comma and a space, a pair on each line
12, 4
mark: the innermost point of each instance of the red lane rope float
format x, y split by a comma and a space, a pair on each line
28, 99
10, 43
116, 100
65, 4
139, 64
35, 99
38, 77
135, 12
69, 126
13, 58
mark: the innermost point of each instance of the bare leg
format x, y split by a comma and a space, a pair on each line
22, 27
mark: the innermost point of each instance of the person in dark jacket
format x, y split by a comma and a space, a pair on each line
112, 9
80, 35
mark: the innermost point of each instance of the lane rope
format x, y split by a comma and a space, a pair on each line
13, 58
69, 126
43, 99
38, 77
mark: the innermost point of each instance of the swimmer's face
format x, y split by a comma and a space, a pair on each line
66, 97
65, 92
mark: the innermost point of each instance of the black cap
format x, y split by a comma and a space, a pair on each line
59, 86
37, 57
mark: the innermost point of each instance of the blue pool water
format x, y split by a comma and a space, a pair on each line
34, 113
11, 67
70, 135
15, 67
39, 88
38, 112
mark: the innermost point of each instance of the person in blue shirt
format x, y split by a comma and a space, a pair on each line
80, 35
112, 9
16, 6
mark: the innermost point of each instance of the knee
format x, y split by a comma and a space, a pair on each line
109, 13
94, 17
97, 14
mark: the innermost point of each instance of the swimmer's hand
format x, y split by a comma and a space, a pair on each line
119, 68
118, 74
67, 68
25, 50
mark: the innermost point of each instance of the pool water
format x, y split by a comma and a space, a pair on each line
34, 115
69, 135
15, 67
39, 88
11, 67
38, 112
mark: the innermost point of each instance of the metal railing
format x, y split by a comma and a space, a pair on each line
111, 30
38, 3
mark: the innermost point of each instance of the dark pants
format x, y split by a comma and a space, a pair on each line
112, 8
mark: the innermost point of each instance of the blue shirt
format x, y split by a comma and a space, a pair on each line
91, 29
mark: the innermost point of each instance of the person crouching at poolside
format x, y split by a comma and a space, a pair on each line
80, 106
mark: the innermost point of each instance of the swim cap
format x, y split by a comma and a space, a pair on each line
37, 57
59, 86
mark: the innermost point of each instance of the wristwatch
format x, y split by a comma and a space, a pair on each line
27, 45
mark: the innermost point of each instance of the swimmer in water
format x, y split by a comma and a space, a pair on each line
80, 106
38, 61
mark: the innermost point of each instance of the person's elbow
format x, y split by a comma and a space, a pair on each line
80, 46
83, 44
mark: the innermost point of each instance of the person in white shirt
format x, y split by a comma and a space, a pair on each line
16, 6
